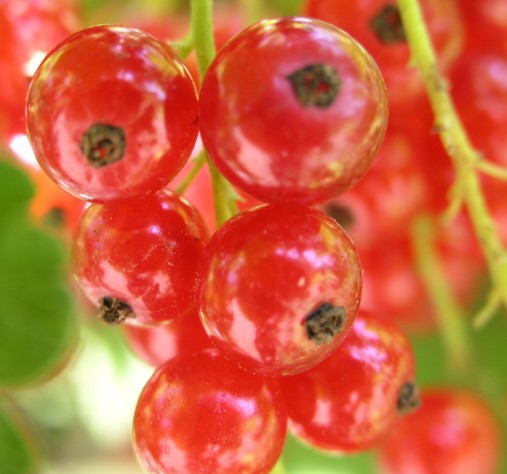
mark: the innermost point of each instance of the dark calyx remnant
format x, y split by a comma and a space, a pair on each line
55, 218
114, 311
340, 214
103, 144
408, 399
323, 324
387, 25
316, 85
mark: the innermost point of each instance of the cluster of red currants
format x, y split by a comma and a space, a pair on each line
256, 328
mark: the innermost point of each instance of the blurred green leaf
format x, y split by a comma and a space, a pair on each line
19, 448
301, 459
16, 190
286, 7
37, 325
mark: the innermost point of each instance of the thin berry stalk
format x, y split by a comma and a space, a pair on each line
204, 45
457, 144
450, 319
199, 161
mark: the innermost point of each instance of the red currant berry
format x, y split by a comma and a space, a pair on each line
454, 432
393, 285
123, 114
138, 259
393, 188
201, 413
485, 23
293, 111
158, 344
281, 287
377, 25
351, 401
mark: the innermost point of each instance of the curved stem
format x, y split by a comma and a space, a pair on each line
492, 169
183, 46
449, 316
199, 161
457, 144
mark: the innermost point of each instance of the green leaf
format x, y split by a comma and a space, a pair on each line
16, 190
19, 447
37, 324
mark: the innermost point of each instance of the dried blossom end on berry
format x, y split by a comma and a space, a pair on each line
103, 144
387, 25
341, 214
114, 311
316, 85
409, 398
323, 324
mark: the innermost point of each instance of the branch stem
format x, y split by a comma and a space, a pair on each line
456, 143
204, 45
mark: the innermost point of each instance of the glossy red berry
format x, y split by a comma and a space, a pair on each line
112, 114
454, 432
158, 344
201, 413
138, 259
293, 110
281, 287
351, 401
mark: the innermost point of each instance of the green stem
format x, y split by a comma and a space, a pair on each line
183, 46
204, 45
449, 316
198, 164
492, 169
202, 33
457, 144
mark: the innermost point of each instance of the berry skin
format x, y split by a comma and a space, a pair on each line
293, 110
351, 401
158, 344
281, 287
454, 432
201, 413
138, 259
123, 114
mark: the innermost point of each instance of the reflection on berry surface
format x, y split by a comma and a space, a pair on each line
293, 111
123, 119
355, 397
202, 413
138, 259
281, 287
